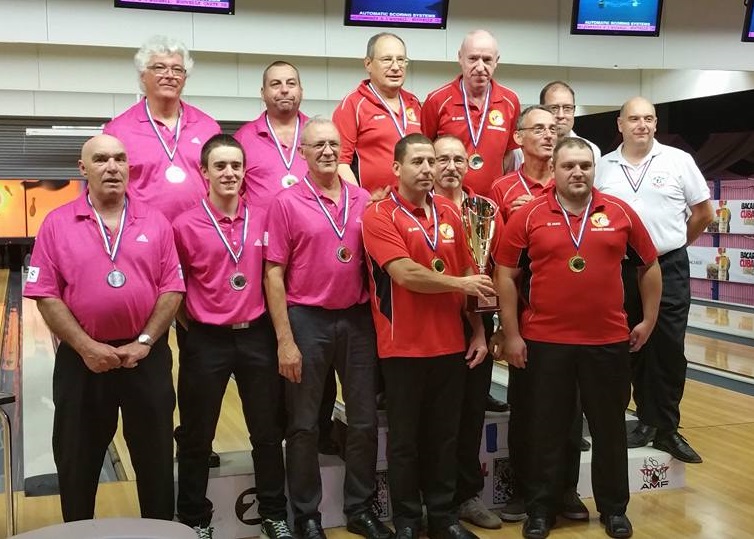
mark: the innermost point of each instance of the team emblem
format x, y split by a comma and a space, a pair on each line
658, 181
495, 117
446, 231
599, 220
410, 114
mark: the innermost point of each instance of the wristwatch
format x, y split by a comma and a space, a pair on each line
145, 339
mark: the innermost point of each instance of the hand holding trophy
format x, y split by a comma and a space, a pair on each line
478, 220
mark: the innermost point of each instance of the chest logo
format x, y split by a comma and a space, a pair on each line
410, 114
658, 181
446, 231
599, 220
496, 117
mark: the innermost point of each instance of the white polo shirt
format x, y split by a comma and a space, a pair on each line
660, 189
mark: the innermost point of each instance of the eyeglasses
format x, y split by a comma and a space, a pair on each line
539, 130
458, 161
567, 109
320, 146
162, 70
387, 61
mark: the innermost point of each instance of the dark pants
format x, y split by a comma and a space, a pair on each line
86, 418
554, 374
329, 395
209, 357
470, 480
659, 368
424, 397
345, 338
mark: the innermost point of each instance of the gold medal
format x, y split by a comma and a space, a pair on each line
438, 265
475, 161
576, 264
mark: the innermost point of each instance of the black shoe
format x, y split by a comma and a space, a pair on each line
407, 533
573, 507
328, 446
537, 527
310, 529
368, 525
585, 445
676, 445
214, 460
617, 526
454, 531
641, 435
494, 405
513, 510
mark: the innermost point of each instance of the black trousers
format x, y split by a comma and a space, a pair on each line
86, 418
209, 357
424, 397
344, 338
470, 480
659, 368
554, 374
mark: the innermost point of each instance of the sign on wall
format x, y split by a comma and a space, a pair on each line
732, 217
722, 264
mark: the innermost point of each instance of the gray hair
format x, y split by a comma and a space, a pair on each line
376, 37
162, 45
526, 112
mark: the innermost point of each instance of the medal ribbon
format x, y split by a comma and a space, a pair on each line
170, 154
523, 182
401, 129
287, 162
634, 183
235, 256
431, 243
340, 232
576, 241
112, 251
478, 135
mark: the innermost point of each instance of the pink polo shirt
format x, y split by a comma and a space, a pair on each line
301, 237
148, 162
265, 169
69, 262
208, 266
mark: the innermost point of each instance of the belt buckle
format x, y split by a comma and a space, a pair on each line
240, 325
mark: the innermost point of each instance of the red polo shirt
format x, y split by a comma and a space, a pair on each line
561, 306
410, 324
367, 131
511, 186
443, 113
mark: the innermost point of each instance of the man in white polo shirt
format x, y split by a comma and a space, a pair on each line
668, 191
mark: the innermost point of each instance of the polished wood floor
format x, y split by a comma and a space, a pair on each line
718, 501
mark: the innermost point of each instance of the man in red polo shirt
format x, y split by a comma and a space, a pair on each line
564, 245
106, 277
451, 168
220, 244
316, 293
420, 271
377, 114
477, 110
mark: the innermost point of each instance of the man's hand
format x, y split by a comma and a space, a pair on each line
380, 194
496, 345
520, 201
514, 351
477, 351
639, 335
130, 354
100, 357
478, 285
289, 361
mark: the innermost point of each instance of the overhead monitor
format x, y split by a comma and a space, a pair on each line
616, 17
397, 13
223, 7
748, 31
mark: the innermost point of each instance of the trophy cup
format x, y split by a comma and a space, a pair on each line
478, 219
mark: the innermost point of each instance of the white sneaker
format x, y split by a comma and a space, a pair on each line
475, 512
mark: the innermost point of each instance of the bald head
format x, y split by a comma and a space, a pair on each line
479, 38
478, 57
99, 143
104, 165
634, 103
638, 123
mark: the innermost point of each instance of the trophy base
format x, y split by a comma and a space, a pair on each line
490, 304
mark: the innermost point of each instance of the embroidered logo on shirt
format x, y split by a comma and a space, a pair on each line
196, 140
447, 231
496, 117
378, 117
180, 272
142, 239
33, 274
258, 243
266, 239
410, 115
599, 220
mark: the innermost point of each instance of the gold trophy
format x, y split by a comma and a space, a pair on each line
478, 219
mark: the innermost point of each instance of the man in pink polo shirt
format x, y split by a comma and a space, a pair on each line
315, 283
220, 246
271, 140
163, 135
106, 277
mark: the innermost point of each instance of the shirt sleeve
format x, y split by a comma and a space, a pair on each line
382, 241
641, 249
278, 234
44, 279
344, 118
695, 188
430, 118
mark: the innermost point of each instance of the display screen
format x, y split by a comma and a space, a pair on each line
223, 7
397, 13
748, 33
25, 203
616, 17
